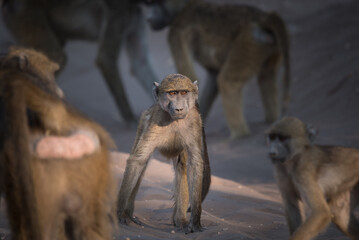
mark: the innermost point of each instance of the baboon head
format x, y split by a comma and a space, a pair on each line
287, 137
33, 63
161, 12
176, 95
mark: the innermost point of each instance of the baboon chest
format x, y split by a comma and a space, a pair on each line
173, 145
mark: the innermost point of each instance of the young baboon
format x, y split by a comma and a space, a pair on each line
326, 178
47, 26
52, 190
233, 43
172, 125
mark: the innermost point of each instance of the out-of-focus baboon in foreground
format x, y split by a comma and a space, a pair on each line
48, 25
233, 43
54, 162
174, 127
325, 178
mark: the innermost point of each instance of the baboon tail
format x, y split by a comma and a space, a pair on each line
206, 168
276, 25
16, 166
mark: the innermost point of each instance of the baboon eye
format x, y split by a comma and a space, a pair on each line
272, 136
282, 138
184, 92
172, 93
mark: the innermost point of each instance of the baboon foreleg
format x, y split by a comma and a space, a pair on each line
320, 216
195, 180
268, 88
181, 191
138, 52
135, 168
343, 217
209, 94
290, 198
109, 50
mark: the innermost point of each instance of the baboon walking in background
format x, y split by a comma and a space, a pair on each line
54, 162
325, 177
174, 127
48, 25
233, 43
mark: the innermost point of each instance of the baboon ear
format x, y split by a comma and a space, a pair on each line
195, 83
312, 132
21, 61
155, 90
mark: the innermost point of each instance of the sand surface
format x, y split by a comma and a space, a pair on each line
243, 202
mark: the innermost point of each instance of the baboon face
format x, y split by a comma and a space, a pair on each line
286, 136
29, 60
278, 147
176, 95
161, 12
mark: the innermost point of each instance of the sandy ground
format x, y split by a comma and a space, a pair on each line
243, 202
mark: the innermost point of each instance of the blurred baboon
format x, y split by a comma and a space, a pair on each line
173, 126
326, 178
54, 162
48, 25
233, 43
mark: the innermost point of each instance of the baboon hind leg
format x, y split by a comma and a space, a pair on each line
138, 51
181, 191
111, 40
343, 216
243, 63
268, 87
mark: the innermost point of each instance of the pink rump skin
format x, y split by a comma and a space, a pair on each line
74, 146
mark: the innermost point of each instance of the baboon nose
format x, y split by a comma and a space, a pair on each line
179, 109
272, 154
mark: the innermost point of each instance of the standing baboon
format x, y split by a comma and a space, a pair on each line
54, 162
325, 178
48, 25
174, 127
233, 43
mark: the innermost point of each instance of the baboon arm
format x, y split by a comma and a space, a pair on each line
320, 215
181, 54
138, 52
51, 111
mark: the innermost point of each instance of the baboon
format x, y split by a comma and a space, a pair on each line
172, 125
326, 178
233, 43
47, 26
54, 162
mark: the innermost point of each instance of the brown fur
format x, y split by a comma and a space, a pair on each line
47, 26
233, 43
183, 140
48, 198
325, 178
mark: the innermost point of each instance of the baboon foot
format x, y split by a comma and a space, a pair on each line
240, 134
193, 227
180, 223
125, 220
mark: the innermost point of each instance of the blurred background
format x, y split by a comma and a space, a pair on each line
244, 202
